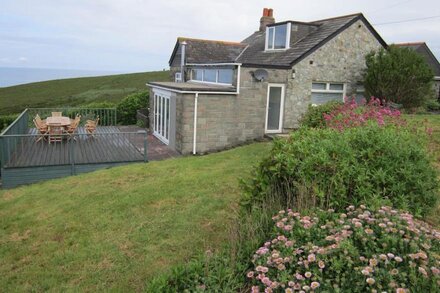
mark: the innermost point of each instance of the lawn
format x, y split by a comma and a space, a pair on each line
115, 229
75, 91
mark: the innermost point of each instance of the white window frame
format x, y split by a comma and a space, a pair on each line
280, 128
328, 90
216, 76
161, 129
287, 45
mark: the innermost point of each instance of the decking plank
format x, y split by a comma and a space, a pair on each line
108, 148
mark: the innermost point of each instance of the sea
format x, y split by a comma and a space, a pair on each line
10, 76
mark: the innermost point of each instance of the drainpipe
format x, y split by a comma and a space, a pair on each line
182, 61
195, 123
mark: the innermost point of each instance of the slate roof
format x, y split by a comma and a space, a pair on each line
206, 51
308, 37
423, 49
322, 31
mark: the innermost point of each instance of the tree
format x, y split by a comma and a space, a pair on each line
398, 75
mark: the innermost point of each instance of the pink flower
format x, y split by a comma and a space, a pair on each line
314, 285
250, 274
321, 264
299, 276
370, 281
308, 274
311, 257
398, 259
255, 289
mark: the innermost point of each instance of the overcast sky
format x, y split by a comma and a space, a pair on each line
139, 35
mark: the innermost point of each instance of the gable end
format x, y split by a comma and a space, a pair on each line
343, 28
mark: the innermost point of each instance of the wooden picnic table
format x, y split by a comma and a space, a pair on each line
58, 121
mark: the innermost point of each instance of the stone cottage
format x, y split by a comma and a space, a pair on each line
226, 93
424, 51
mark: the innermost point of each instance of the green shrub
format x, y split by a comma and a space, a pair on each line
129, 105
5, 120
314, 117
399, 75
331, 169
432, 105
357, 251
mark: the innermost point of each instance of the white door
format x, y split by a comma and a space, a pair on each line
162, 115
274, 108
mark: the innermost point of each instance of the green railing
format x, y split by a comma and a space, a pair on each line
19, 146
19, 127
107, 116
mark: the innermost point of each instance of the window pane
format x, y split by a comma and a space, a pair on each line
280, 36
197, 74
318, 86
322, 98
210, 75
336, 87
270, 38
225, 76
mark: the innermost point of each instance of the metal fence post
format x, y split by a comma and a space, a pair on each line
72, 156
145, 144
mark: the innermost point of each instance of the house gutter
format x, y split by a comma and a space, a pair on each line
436, 77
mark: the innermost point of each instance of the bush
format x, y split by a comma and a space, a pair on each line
432, 105
5, 120
399, 75
331, 169
129, 105
314, 117
357, 251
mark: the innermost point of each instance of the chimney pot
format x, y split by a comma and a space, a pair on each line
266, 19
270, 12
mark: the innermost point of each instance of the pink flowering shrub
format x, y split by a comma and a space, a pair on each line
350, 114
357, 251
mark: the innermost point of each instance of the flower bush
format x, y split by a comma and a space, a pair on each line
361, 250
314, 117
351, 114
327, 168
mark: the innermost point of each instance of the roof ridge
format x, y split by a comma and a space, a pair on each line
410, 43
337, 17
212, 41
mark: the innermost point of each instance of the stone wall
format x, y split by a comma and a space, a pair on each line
342, 59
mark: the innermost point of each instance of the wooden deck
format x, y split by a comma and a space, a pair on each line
109, 145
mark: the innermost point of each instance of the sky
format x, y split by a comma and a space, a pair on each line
139, 35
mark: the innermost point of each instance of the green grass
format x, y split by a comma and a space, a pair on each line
115, 229
75, 91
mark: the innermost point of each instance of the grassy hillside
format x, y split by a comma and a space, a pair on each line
75, 91
115, 229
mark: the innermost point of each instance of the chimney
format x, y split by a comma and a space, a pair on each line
266, 19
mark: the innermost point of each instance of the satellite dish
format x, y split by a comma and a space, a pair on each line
260, 74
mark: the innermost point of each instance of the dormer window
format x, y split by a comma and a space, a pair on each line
278, 37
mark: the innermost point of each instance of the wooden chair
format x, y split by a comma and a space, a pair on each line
55, 133
40, 121
57, 114
72, 128
42, 131
91, 126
